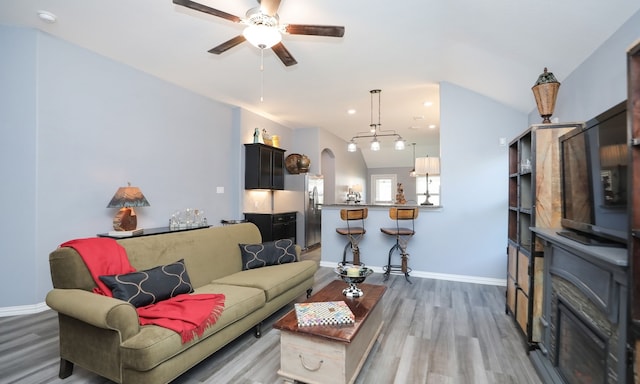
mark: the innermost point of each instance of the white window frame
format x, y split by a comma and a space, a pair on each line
374, 186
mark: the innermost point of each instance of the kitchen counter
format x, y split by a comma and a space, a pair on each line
381, 206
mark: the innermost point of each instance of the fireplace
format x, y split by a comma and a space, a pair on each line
581, 351
585, 345
584, 315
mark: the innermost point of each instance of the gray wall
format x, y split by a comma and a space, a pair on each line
18, 277
599, 83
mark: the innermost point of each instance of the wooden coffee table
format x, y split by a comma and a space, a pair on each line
331, 354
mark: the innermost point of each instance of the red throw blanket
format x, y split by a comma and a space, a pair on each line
188, 315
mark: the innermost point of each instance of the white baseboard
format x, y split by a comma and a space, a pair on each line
438, 276
23, 310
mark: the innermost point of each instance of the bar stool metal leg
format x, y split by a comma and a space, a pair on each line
402, 236
355, 251
400, 245
353, 233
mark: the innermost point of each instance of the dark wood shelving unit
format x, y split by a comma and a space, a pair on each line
633, 133
533, 157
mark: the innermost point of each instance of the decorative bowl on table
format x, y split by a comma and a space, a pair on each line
353, 275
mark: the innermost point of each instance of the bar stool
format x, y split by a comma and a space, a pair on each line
354, 234
402, 236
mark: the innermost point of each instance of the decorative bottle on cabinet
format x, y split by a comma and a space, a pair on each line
534, 201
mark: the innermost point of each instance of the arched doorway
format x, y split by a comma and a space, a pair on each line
328, 171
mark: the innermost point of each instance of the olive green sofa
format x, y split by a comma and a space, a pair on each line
102, 334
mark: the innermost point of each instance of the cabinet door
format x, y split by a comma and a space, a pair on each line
277, 172
523, 271
263, 222
284, 226
265, 166
522, 312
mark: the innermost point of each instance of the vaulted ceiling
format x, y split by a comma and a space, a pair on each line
405, 48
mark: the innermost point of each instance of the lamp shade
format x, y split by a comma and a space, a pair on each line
613, 155
427, 165
262, 36
128, 197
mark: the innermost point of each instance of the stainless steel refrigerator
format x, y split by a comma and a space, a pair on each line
313, 198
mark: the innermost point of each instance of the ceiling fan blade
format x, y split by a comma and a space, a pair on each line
318, 30
227, 45
209, 10
270, 7
284, 55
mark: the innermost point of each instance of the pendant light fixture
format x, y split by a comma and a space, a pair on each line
376, 131
413, 170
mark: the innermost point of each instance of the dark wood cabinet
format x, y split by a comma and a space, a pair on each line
534, 201
633, 113
264, 167
274, 226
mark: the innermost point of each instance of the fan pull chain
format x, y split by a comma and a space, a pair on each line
261, 75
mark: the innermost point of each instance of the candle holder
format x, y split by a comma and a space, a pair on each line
353, 275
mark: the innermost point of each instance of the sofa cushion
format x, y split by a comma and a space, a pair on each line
273, 280
154, 344
267, 253
146, 287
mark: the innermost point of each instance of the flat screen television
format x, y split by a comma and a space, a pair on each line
593, 165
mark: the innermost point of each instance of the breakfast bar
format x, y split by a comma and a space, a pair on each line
375, 245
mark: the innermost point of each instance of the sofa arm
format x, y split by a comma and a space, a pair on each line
97, 310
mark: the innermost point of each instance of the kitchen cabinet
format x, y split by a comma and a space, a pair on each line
274, 226
264, 167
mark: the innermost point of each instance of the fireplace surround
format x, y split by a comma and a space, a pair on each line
584, 315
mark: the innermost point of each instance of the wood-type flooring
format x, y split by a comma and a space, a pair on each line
435, 332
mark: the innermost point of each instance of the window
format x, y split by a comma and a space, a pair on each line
434, 189
384, 187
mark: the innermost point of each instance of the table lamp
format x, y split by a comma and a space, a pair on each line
126, 198
425, 166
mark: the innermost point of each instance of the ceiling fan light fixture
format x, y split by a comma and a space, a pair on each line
399, 144
262, 36
352, 146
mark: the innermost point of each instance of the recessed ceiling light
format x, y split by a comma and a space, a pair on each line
427, 103
351, 111
432, 126
418, 118
47, 17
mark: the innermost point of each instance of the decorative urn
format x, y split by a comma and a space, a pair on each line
545, 91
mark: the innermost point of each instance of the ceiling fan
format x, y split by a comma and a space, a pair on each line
264, 29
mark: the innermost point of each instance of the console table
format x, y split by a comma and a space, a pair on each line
152, 231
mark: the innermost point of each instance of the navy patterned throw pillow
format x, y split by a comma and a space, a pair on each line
269, 253
146, 287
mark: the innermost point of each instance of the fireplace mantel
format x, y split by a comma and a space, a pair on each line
590, 282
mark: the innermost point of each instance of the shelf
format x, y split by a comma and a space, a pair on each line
533, 199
